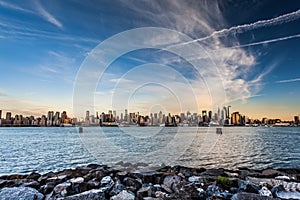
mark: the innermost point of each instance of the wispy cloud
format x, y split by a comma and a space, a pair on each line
14, 7
249, 27
47, 16
288, 80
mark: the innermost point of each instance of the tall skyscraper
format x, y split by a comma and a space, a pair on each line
296, 118
0, 114
8, 116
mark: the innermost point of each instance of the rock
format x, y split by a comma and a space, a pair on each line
99, 174
195, 180
46, 189
57, 179
106, 184
62, 189
270, 173
265, 192
124, 195
247, 186
77, 180
288, 194
88, 195
249, 196
160, 194
92, 184
7, 183
277, 189
171, 181
212, 190
35, 176
285, 178
133, 184
144, 192
33, 184
20, 193
95, 166
214, 172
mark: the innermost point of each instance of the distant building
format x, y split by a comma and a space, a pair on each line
236, 118
0, 115
296, 119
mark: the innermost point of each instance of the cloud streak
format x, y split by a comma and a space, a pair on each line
14, 7
47, 16
289, 17
288, 80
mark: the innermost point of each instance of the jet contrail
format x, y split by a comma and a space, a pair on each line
289, 80
261, 42
247, 27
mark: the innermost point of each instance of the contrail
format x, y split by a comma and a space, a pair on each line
289, 80
247, 27
262, 42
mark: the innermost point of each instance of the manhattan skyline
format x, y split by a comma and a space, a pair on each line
254, 45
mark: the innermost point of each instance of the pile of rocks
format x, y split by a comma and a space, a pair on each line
135, 182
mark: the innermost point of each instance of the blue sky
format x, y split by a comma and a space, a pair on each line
254, 46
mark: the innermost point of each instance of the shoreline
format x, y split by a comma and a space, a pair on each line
128, 181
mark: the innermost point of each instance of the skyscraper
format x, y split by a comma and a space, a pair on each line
296, 118
0, 114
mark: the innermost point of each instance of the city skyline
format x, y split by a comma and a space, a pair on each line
43, 45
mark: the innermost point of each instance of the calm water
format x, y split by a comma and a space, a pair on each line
24, 150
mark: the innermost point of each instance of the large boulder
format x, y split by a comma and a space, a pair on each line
20, 193
123, 195
250, 196
87, 195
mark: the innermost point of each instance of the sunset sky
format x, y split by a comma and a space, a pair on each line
252, 46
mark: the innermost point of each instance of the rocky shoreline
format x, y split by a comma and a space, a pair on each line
140, 182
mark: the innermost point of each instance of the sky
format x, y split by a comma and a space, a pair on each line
170, 55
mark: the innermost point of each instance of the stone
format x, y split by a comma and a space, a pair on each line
249, 196
33, 184
285, 178
93, 194
77, 180
123, 195
35, 176
46, 189
171, 180
265, 192
248, 186
62, 188
212, 190
195, 180
214, 172
133, 184
57, 179
144, 192
20, 193
106, 183
93, 184
276, 189
270, 173
288, 194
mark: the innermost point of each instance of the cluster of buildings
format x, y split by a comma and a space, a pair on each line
52, 119
207, 118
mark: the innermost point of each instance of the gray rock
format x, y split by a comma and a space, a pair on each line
20, 193
124, 195
106, 183
88, 195
213, 190
277, 189
144, 192
248, 186
170, 182
288, 195
77, 180
62, 189
249, 196
133, 184
265, 192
